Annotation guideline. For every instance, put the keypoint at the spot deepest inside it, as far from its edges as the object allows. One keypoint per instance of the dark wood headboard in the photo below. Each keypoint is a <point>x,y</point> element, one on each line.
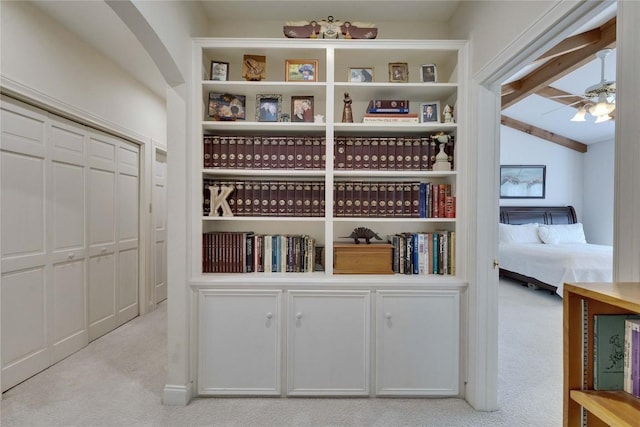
<point>539,214</point>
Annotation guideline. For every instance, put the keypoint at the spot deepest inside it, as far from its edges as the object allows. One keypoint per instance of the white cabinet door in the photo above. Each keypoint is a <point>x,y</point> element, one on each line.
<point>160,226</point>
<point>128,231</point>
<point>68,237</point>
<point>239,342</point>
<point>417,342</point>
<point>328,342</point>
<point>102,235</point>
<point>25,263</point>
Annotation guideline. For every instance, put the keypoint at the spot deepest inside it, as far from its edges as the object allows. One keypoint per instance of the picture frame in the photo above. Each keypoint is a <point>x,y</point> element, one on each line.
<point>227,106</point>
<point>398,72</point>
<point>428,73</point>
<point>301,70</point>
<point>523,181</point>
<point>219,71</point>
<point>254,67</point>
<point>429,112</point>
<point>302,109</point>
<point>360,75</point>
<point>268,107</point>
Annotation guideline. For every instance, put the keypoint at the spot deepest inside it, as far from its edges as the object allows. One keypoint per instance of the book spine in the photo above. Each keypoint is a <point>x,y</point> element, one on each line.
<point>373,119</point>
<point>323,152</point>
<point>266,152</point>
<point>282,198</point>
<point>307,199</point>
<point>391,153</point>
<point>391,110</point>
<point>349,154</point>
<point>388,103</point>
<point>400,154</point>
<point>299,153</point>
<point>316,153</point>
<point>215,151</point>
<point>291,153</point>
<point>264,198</point>
<point>374,148</point>
<point>357,199</point>
<point>374,199</point>
<point>365,196</point>
<point>383,150</point>
<point>398,195</point>
<point>206,151</point>
<point>308,153</point>
<point>274,152</point>
<point>357,153</point>
<point>339,152</point>
<point>635,360</point>
<point>348,199</point>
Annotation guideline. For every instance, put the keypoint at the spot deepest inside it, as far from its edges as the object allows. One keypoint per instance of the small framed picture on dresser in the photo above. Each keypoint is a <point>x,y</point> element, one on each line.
<point>429,112</point>
<point>219,71</point>
<point>428,73</point>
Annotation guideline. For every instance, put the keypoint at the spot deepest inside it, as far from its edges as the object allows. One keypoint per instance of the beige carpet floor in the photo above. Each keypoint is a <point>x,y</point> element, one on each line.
<point>118,380</point>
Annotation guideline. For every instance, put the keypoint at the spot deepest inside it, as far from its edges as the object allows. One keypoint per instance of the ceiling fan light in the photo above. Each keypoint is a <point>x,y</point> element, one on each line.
<point>602,109</point>
<point>603,118</point>
<point>579,117</point>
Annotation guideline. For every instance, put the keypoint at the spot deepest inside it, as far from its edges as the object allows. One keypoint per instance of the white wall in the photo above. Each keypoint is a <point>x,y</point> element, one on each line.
<point>598,190</point>
<point>564,168</point>
<point>39,54</point>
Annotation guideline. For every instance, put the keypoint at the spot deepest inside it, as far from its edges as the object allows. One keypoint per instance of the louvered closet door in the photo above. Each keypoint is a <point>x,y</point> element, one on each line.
<point>23,249</point>
<point>69,332</point>
<point>128,195</point>
<point>160,226</point>
<point>103,207</point>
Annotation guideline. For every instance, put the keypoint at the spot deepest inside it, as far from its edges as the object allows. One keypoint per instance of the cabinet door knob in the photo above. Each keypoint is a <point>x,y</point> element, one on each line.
<point>298,315</point>
<point>71,256</point>
<point>269,315</point>
<point>103,250</point>
<point>387,315</point>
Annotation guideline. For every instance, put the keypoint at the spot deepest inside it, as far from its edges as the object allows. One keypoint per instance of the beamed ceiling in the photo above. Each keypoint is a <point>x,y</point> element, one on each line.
<point>559,61</point>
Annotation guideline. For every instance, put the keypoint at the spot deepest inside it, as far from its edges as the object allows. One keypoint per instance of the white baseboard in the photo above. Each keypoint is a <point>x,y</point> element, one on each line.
<point>177,395</point>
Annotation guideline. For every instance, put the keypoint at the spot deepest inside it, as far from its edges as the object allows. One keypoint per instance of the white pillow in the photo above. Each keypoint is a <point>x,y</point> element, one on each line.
<point>525,233</point>
<point>562,233</point>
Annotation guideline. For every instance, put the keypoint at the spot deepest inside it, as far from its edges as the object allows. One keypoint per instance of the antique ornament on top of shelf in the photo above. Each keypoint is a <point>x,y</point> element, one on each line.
<point>330,29</point>
<point>447,114</point>
<point>442,163</point>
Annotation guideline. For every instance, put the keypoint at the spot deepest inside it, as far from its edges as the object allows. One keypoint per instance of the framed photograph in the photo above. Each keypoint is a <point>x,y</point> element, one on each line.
<point>429,112</point>
<point>522,181</point>
<point>226,106</point>
<point>268,107</point>
<point>301,70</point>
<point>302,108</point>
<point>358,75</point>
<point>254,67</point>
<point>428,73</point>
<point>219,71</point>
<point>398,72</point>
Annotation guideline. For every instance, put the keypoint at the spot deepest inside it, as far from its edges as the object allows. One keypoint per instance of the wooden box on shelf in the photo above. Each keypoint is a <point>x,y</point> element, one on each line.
<point>351,258</point>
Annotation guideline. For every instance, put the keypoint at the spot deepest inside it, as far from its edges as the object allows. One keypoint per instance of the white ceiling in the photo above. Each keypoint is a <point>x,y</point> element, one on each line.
<point>97,24</point>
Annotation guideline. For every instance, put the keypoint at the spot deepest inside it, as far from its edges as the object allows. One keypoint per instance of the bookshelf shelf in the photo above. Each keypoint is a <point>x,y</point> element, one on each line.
<point>604,407</point>
<point>337,308</point>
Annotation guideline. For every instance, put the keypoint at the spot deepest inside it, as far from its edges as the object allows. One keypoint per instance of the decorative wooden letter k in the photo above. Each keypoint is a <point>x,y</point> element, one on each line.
<point>219,196</point>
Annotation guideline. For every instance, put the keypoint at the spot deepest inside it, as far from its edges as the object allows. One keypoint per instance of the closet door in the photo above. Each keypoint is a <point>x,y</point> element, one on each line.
<point>68,237</point>
<point>160,225</point>
<point>24,289</point>
<point>127,232</point>
<point>102,234</point>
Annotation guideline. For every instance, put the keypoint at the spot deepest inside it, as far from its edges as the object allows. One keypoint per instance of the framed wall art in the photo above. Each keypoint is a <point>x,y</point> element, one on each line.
<point>302,108</point>
<point>226,106</point>
<point>268,107</point>
<point>301,70</point>
<point>429,112</point>
<point>219,71</point>
<point>398,72</point>
<point>360,75</point>
<point>522,181</point>
<point>428,73</point>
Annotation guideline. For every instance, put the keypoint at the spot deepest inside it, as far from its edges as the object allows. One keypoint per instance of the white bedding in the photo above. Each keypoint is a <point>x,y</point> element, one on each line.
<point>556,264</point>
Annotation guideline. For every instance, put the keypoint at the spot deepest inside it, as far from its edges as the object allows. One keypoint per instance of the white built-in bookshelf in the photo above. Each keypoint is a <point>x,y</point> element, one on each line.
<point>321,333</point>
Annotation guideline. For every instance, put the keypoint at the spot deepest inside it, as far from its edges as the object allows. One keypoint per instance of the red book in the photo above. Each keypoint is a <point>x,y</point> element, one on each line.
<point>348,199</point>
<point>322,200</point>
<point>291,153</point>
<point>400,154</point>
<point>299,153</point>
<point>248,152</point>
<point>349,154</point>
<point>298,199</point>
<point>374,199</point>
<point>215,151</point>
<point>383,150</point>
<point>366,153</point>
<point>407,201</point>
<point>240,196</point>
<point>264,198</point>
<point>273,152</point>
<point>307,199</point>
<point>398,195</point>
<point>316,153</point>
<point>308,153</point>
<point>339,199</point>
<point>232,151</point>
<point>340,152</point>
<point>282,198</point>
<point>323,152</point>
<point>424,153</point>
<point>374,144</point>
<point>315,199</point>
<point>382,200</point>
<point>206,151</point>
<point>357,199</point>
<point>266,152</point>
<point>450,207</point>
<point>282,153</point>
<point>391,153</point>
<point>365,196</point>
<point>257,152</point>
<point>273,198</point>
<point>415,199</point>
<point>291,194</point>
<point>240,152</point>
<point>357,153</point>
<point>415,153</point>
<point>224,152</point>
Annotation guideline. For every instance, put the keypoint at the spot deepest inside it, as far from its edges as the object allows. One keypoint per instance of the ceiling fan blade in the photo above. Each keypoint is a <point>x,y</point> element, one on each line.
<point>560,108</point>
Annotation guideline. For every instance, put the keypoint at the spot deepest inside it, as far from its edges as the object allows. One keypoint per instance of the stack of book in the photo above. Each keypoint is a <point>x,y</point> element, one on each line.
<point>246,252</point>
<point>389,111</point>
<point>616,353</point>
<point>424,253</point>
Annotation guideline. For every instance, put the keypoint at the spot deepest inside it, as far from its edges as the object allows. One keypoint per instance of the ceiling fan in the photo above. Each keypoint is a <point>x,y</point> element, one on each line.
<point>599,98</point>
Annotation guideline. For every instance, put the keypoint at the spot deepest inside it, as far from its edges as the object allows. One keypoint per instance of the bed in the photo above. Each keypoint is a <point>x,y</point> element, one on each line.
<point>527,258</point>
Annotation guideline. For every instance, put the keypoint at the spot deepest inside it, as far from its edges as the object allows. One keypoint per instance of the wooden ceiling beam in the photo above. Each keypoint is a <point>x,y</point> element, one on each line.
<point>561,65</point>
<point>562,97</point>
<point>572,43</point>
<point>508,88</point>
<point>544,134</point>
